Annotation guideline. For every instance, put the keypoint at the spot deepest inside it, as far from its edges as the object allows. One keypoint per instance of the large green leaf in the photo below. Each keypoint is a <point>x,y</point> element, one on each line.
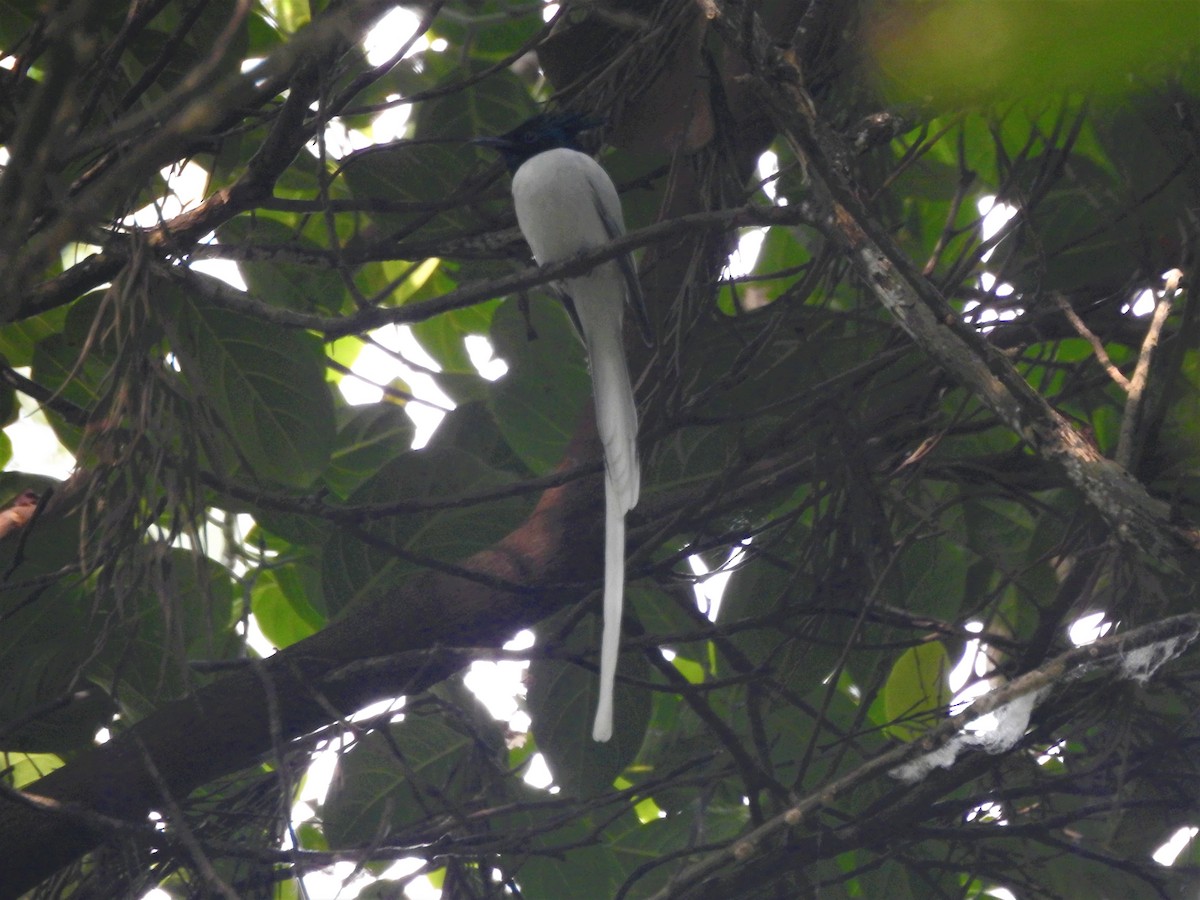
<point>503,37</point>
<point>44,639</point>
<point>917,690</point>
<point>601,869</point>
<point>562,702</point>
<point>395,779</point>
<point>354,568</point>
<point>487,107</point>
<point>1060,246</point>
<point>131,643</point>
<point>18,340</point>
<point>1031,50</point>
<point>16,17</point>
<point>265,385</point>
<point>473,429</point>
<point>934,575</point>
<point>443,336</point>
<point>46,704</point>
<point>425,178</point>
<point>74,364</point>
<point>589,856</point>
<point>159,56</point>
<point>21,769</point>
<point>539,403</point>
<point>368,438</point>
<point>181,610</point>
<point>286,602</point>
<point>272,278</point>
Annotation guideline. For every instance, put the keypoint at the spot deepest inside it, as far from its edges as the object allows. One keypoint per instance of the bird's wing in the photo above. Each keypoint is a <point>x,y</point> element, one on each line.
<point>615,227</point>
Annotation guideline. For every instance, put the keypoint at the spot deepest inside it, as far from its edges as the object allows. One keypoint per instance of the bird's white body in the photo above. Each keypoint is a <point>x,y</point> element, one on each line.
<point>566,205</point>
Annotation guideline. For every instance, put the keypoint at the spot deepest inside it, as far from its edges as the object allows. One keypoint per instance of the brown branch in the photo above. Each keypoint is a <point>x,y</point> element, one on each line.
<point>230,298</point>
<point>1131,421</point>
<point>1097,345</point>
<point>178,233</point>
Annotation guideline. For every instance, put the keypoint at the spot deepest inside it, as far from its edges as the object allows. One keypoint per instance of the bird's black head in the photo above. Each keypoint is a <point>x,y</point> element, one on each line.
<point>543,132</point>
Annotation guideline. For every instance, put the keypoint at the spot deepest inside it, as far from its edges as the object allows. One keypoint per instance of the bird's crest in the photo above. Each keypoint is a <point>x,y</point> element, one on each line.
<point>543,132</point>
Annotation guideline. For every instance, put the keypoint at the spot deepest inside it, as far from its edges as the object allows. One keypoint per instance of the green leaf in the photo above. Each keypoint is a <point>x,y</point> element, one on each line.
<point>562,700</point>
<point>889,880</point>
<point>38,661</point>
<point>471,428</point>
<point>287,616</point>
<point>504,35</point>
<point>1076,875</point>
<point>760,590</point>
<point>1059,246</point>
<point>443,336</point>
<point>368,438</point>
<point>538,404</point>
<point>311,837</point>
<point>999,532</point>
<point>934,573</point>
<point>45,639</point>
<point>18,340</point>
<point>428,176</point>
<point>265,384</point>
<point>16,18</point>
<point>261,34</point>
<point>61,364</point>
<point>660,612</point>
<point>574,861</point>
<point>353,569</point>
<point>291,14</point>
<point>491,106</point>
<point>381,782</point>
<point>272,279</point>
<point>1032,50</point>
<point>917,690</point>
<point>390,781</point>
<point>21,769</point>
<point>780,254</point>
<point>51,647</point>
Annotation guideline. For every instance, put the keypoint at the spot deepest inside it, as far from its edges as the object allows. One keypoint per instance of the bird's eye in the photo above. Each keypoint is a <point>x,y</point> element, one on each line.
<point>530,138</point>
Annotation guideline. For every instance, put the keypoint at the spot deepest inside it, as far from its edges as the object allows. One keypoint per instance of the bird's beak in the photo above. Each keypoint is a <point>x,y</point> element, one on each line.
<point>494,143</point>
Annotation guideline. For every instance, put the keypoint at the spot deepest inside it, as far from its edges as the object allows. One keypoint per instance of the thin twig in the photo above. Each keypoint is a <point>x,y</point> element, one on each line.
<point>1090,336</point>
<point>1131,422</point>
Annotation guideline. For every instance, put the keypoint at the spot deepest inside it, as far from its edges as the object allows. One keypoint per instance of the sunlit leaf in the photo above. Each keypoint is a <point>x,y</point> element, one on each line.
<point>917,689</point>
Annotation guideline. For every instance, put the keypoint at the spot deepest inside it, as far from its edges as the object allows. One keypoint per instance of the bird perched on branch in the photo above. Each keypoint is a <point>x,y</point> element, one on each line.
<point>567,205</point>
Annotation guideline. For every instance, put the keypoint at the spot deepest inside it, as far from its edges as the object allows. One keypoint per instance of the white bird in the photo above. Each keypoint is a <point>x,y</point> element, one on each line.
<point>567,205</point>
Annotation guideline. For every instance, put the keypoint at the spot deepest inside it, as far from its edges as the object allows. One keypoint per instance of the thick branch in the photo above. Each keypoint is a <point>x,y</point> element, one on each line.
<point>373,317</point>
